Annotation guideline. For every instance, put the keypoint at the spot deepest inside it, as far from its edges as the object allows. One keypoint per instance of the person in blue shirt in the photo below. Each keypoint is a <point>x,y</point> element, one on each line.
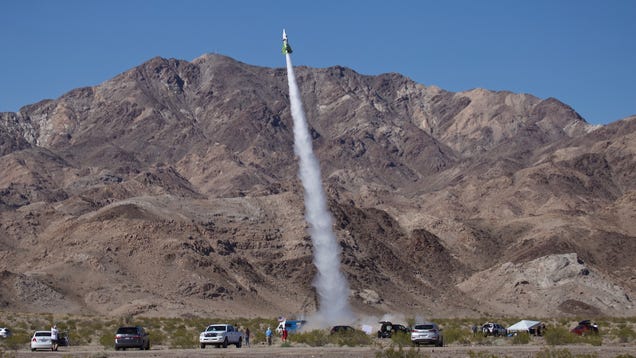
<point>268,334</point>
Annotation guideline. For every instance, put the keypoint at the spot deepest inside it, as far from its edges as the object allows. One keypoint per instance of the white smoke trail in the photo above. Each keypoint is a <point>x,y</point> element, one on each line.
<point>330,283</point>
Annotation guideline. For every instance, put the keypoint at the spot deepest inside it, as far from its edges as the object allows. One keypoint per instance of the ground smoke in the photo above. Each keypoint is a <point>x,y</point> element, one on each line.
<point>331,286</point>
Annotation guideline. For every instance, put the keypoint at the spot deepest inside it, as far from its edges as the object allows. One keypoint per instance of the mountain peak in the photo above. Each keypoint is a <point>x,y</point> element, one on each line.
<point>184,173</point>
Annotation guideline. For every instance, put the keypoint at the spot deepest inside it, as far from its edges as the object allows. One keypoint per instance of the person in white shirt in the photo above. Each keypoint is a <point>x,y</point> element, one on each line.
<point>54,334</point>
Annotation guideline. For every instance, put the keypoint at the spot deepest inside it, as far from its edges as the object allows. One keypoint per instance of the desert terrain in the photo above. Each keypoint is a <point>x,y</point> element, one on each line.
<point>172,189</point>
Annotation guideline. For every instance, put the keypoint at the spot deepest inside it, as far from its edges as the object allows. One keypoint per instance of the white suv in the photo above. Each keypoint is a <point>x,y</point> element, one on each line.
<point>427,333</point>
<point>221,335</point>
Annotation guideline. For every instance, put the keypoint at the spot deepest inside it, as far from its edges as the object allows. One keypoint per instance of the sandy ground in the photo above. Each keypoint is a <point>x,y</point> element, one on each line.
<point>277,351</point>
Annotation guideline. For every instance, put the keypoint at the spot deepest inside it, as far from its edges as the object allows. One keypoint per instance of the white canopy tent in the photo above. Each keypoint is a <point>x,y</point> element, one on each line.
<point>524,326</point>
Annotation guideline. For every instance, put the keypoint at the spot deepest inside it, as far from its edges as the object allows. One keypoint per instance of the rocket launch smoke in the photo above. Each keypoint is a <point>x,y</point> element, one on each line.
<point>330,283</point>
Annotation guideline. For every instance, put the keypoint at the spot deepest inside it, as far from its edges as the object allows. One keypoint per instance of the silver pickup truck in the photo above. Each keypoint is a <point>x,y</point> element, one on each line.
<point>221,335</point>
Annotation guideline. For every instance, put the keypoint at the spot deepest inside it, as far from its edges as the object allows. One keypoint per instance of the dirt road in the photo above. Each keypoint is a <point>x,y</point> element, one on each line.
<point>518,351</point>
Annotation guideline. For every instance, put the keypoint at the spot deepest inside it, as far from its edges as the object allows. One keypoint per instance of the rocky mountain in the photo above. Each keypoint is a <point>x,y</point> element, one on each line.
<point>172,189</point>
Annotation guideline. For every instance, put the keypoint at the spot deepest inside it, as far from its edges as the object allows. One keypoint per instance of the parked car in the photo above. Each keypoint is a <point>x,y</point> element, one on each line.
<point>221,335</point>
<point>132,337</point>
<point>493,329</point>
<point>342,329</point>
<point>41,340</point>
<point>427,333</point>
<point>585,327</point>
<point>387,329</point>
<point>5,332</point>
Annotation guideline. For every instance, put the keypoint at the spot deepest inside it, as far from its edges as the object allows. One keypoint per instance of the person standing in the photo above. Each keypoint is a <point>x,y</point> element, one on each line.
<point>54,335</point>
<point>268,334</point>
<point>247,337</point>
<point>285,334</point>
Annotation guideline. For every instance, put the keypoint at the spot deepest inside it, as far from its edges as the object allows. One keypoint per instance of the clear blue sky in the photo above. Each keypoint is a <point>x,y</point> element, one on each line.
<point>581,52</point>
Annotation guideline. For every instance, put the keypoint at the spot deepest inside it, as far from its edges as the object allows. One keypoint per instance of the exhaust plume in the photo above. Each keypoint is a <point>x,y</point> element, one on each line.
<point>330,283</point>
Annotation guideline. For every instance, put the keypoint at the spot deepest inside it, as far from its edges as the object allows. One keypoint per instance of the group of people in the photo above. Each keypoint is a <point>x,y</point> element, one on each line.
<point>268,336</point>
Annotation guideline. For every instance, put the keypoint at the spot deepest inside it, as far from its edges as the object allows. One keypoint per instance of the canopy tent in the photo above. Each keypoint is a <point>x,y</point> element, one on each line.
<point>524,326</point>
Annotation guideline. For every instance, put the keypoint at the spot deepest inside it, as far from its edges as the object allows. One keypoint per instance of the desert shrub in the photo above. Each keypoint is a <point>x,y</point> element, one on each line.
<point>107,339</point>
<point>400,352</point>
<point>22,325</point>
<point>480,340</point>
<point>38,324</point>
<point>183,338</point>
<point>592,339</point>
<point>625,356</point>
<point>473,354</point>
<point>257,336</point>
<point>99,355</point>
<point>4,354</point>
<point>17,340</point>
<point>564,321</point>
<point>554,353</point>
<point>158,337</point>
<point>624,333</point>
<point>285,344</point>
<point>457,334</point>
<point>151,324</point>
<point>557,335</point>
<point>81,332</point>
<point>315,338</point>
<point>521,338</point>
<point>562,353</point>
<point>352,339</point>
<point>400,338</point>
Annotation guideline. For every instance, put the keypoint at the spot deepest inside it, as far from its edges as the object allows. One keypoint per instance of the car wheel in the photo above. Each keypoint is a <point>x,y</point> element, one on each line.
<point>202,346</point>
<point>32,349</point>
<point>239,343</point>
<point>225,343</point>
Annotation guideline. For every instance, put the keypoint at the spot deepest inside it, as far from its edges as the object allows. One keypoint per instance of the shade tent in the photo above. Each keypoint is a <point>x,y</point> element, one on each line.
<point>524,326</point>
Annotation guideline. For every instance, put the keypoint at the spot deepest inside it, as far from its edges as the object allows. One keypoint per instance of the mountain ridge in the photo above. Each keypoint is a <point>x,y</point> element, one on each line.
<point>172,188</point>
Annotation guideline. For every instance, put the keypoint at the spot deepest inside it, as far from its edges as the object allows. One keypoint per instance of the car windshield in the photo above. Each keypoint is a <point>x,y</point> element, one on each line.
<point>216,328</point>
<point>424,326</point>
<point>127,330</point>
<point>43,334</point>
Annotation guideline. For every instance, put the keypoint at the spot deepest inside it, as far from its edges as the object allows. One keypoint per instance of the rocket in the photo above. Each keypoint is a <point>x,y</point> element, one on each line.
<point>286,48</point>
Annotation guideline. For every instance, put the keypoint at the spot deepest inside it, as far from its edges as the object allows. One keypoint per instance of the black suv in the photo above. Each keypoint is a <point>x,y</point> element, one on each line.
<point>132,337</point>
<point>387,329</point>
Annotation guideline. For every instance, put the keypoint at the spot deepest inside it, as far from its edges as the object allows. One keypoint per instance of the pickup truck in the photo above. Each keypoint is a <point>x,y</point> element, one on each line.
<point>221,335</point>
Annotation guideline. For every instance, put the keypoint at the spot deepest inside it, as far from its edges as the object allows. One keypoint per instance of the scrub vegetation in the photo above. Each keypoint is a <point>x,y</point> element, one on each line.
<point>183,332</point>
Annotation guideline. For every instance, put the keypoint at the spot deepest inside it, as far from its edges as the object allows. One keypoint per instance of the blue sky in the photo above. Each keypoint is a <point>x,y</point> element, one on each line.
<point>580,52</point>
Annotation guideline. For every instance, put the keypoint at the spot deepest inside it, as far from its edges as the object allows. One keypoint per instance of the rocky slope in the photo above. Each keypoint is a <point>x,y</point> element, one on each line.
<point>172,189</point>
